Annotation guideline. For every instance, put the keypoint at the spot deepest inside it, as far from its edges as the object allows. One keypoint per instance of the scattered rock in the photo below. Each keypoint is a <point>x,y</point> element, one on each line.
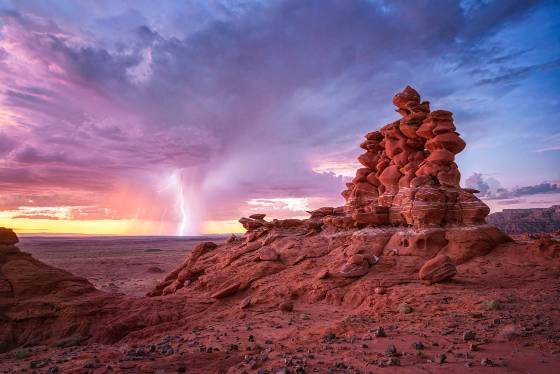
<point>152,250</point>
<point>391,350</point>
<point>440,358</point>
<point>405,308</point>
<point>155,270</point>
<point>182,368</point>
<point>469,335</point>
<point>286,306</point>
<point>380,332</point>
<point>393,361</point>
<point>37,364</point>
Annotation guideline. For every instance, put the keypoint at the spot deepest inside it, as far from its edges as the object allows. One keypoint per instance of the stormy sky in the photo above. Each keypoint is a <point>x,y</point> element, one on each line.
<point>181,116</point>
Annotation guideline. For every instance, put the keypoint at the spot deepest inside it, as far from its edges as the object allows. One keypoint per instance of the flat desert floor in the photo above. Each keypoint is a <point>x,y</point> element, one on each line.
<point>130,265</point>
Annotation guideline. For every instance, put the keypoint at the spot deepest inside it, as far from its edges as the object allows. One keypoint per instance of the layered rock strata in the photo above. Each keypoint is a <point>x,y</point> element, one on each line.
<point>409,175</point>
<point>527,221</point>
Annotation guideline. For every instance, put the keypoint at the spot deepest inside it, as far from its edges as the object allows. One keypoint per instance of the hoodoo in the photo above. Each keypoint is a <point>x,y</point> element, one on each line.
<point>410,177</point>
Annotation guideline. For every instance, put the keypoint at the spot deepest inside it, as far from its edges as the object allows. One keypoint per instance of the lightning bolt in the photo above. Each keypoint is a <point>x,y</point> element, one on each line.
<point>185,208</point>
<point>181,202</point>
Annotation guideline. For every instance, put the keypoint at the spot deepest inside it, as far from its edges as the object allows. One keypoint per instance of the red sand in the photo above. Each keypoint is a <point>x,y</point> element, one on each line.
<point>509,299</point>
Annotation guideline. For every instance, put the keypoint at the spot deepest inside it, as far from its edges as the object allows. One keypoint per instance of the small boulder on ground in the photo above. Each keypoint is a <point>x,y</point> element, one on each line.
<point>437,269</point>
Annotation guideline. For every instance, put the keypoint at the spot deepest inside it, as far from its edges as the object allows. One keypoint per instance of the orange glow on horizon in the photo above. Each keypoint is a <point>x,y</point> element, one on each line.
<point>222,227</point>
<point>107,226</point>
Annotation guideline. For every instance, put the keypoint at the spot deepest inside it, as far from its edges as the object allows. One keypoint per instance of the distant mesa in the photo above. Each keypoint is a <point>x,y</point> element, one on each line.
<point>527,221</point>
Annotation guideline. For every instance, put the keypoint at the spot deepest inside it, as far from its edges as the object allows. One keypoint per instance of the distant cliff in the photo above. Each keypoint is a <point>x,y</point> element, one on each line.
<point>520,221</point>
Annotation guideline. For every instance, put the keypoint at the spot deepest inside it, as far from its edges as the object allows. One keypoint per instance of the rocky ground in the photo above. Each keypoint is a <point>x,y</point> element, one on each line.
<point>500,313</point>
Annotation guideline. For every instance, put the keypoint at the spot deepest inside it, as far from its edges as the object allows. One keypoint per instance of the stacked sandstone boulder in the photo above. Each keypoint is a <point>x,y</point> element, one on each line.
<point>410,177</point>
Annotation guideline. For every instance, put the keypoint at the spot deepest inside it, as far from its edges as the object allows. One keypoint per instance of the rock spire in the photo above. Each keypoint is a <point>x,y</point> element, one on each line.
<point>409,175</point>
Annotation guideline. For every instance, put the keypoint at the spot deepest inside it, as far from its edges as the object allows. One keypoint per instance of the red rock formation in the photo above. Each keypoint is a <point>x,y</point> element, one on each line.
<point>250,315</point>
<point>40,304</point>
<point>32,293</point>
<point>8,237</point>
<point>410,176</point>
